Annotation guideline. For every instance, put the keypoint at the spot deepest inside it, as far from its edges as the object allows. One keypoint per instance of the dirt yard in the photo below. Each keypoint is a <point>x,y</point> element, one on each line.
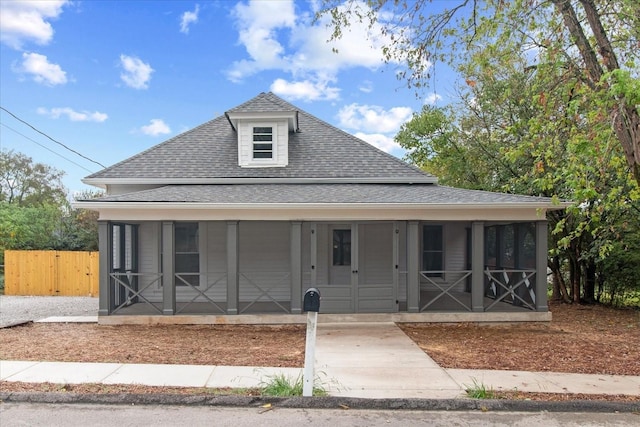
<point>580,339</point>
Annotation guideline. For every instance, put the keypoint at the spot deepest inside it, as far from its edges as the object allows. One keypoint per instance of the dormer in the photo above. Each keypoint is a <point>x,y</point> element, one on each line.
<point>263,136</point>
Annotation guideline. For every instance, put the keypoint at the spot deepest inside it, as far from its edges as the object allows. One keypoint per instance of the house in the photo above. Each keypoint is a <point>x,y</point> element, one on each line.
<point>242,214</point>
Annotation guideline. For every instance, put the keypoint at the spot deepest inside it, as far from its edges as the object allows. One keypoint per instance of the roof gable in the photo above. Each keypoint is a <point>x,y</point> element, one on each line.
<point>209,153</point>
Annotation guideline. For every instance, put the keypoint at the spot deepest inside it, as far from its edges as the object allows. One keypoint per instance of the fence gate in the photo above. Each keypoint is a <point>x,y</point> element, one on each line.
<point>64,273</point>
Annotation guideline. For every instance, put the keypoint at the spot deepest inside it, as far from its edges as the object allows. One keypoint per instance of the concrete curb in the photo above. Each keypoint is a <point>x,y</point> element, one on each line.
<point>328,402</point>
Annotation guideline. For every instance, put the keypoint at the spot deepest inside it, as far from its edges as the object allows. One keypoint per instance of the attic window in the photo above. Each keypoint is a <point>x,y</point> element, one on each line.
<point>263,142</point>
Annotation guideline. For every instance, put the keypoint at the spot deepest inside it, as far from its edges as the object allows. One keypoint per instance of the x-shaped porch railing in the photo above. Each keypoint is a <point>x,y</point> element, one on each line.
<point>200,292</point>
<point>506,284</point>
<point>265,293</point>
<point>119,278</point>
<point>446,287</point>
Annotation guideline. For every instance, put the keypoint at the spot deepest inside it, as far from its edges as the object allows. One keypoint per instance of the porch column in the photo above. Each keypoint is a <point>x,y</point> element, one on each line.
<point>233,267</point>
<point>296,267</point>
<point>314,255</point>
<point>541,266</point>
<point>413,266</point>
<point>105,297</point>
<point>477,266</point>
<point>168,268</point>
<point>396,260</point>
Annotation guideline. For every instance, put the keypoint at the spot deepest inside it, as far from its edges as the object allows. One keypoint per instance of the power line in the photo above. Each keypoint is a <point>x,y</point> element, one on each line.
<point>57,142</point>
<point>48,149</point>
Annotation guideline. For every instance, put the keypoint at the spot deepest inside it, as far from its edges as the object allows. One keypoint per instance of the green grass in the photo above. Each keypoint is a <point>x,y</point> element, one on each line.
<point>281,385</point>
<point>479,391</point>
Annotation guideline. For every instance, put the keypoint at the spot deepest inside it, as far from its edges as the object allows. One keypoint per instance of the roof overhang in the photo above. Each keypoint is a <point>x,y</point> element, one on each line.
<point>290,116</point>
<point>186,211</point>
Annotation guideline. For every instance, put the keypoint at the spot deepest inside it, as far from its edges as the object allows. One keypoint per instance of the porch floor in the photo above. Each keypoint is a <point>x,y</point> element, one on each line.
<point>443,310</point>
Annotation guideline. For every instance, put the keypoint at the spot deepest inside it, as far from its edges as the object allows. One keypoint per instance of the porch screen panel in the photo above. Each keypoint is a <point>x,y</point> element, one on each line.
<point>149,261</point>
<point>187,256</point>
<point>376,291</point>
<point>527,247</point>
<point>265,261</point>
<point>432,249</point>
<point>216,260</point>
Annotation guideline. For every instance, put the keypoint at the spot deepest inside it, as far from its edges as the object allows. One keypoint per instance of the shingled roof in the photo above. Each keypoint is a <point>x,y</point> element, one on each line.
<point>397,194</point>
<point>210,152</point>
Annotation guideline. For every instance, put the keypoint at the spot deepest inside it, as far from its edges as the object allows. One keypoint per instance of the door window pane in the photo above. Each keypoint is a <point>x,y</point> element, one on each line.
<point>341,247</point>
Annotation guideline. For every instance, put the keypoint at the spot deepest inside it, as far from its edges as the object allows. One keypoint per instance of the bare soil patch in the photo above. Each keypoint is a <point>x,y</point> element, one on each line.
<point>580,339</point>
<point>225,345</point>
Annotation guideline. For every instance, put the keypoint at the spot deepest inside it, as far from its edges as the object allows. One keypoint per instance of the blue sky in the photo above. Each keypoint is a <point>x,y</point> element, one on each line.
<point>112,78</point>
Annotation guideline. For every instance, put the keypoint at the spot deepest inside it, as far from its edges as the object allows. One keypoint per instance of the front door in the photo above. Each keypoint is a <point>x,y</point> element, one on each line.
<point>338,294</point>
<point>360,270</point>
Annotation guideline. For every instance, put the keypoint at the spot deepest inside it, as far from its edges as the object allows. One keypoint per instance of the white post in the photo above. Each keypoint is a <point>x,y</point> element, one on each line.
<point>310,353</point>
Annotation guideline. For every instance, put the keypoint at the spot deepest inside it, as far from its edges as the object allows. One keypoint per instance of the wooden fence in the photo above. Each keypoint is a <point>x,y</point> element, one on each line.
<point>62,273</point>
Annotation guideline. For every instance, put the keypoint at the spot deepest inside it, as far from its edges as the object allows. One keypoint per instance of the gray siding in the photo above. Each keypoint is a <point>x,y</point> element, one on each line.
<point>265,261</point>
<point>376,291</point>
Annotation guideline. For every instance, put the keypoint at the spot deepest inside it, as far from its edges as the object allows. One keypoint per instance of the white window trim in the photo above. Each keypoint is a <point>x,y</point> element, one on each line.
<point>274,160</point>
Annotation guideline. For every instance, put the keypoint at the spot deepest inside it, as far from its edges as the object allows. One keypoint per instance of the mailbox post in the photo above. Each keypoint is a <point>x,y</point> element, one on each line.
<point>311,304</point>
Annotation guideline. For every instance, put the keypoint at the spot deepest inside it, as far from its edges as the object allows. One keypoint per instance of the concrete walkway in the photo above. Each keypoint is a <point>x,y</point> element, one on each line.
<point>378,360</point>
<point>371,360</point>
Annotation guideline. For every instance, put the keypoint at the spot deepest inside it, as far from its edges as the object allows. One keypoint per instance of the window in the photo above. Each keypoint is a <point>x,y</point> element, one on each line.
<point>263,142</point>
<point>432,250</point>
<point>341,247</point>
<point>187,258</point>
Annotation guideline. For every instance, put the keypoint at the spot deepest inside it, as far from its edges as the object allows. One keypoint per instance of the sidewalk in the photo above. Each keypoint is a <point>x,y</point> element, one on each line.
<point>368,360</point>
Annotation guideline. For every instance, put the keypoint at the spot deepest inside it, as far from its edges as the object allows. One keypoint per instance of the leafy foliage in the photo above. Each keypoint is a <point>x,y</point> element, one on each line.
<point>533,125</point>
<point>590,44</point>
<point>281,385</point>
<point>25,183</point>
<point>34,211</point>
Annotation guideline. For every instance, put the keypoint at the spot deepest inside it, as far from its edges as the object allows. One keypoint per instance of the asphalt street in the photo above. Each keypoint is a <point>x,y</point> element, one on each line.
<point>34,414</point>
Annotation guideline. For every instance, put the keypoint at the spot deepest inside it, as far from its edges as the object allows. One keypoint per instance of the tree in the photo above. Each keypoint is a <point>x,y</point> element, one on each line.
<point>499,136</point>
<point>80,226</point>
<point>594,40</point>
<point>34,211</point>
<point>25,183</point>
<point>28,227</point>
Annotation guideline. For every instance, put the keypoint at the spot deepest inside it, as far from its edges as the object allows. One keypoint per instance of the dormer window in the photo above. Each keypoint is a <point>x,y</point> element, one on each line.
<point>262,142</point>
<point>263,137</point>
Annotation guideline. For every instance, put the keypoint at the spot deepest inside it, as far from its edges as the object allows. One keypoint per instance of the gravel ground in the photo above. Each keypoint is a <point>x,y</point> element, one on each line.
<point>18,309</point>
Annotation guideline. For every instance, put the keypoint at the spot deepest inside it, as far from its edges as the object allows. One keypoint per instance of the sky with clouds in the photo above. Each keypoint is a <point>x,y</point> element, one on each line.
<point>112,78</point>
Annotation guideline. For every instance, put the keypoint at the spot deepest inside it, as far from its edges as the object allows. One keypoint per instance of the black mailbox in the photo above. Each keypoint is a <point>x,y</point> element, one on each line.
<point>311,300</point>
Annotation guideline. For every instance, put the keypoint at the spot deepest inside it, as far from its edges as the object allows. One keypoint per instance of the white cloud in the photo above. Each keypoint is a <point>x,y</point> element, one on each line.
<point>74,116</point>
<point>24,21</point>
<point>257,24</point>
<point>305,90</point>
<point>156,127</point>
<point>366,86</point>
<point>189,18</point>
<point>276,39</point>
<point>373,118</point>
<point>41,69</point>
<point>136,73</point>
<point>432,99</point>
<point>383,142</point>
